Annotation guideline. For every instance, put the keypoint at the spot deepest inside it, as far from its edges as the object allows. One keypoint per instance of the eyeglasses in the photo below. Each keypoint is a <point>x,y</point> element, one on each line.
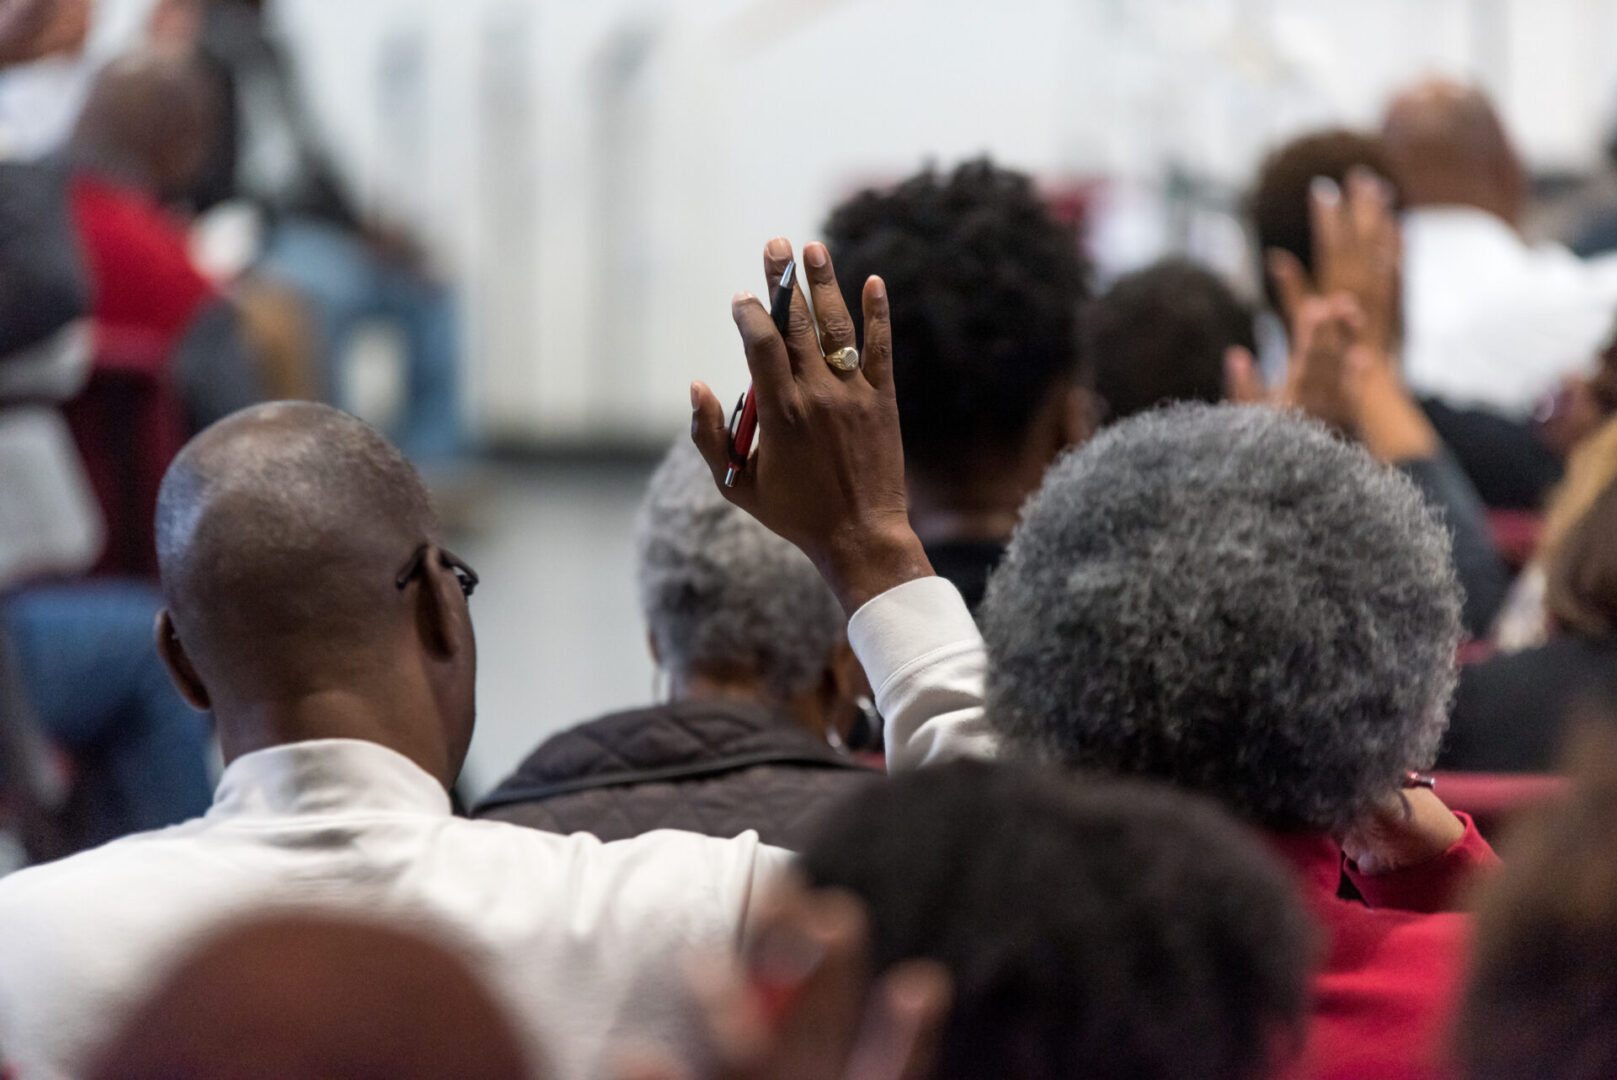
<point>463,573</point>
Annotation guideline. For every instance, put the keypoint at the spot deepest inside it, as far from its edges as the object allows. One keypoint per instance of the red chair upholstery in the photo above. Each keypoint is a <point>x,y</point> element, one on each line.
<point>1515,535</point>
<point>1492,799</point>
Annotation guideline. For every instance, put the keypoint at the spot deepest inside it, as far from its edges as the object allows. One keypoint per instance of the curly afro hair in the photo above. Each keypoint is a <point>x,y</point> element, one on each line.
<point>985,288</point>
<point>1107,930</point>
<point>1232,599</point>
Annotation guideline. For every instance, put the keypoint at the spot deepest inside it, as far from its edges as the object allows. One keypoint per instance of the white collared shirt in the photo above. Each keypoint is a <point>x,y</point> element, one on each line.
<point>1494,322</point>
<point>583,939</point>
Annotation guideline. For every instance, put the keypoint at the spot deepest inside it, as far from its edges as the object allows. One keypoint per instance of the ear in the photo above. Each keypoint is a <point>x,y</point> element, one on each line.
<point>844,683</point>
<point>442,618</point>
<point>1242,382</point>
<point>179,665</point>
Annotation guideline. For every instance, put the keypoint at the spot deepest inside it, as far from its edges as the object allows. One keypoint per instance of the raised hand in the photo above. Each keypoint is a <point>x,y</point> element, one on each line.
<point>828,470</point>
<point>1343,322</point>
<point>1357,251</point>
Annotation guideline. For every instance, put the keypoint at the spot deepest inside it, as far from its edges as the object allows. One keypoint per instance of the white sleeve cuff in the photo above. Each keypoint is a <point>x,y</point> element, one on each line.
<point>906,625</point>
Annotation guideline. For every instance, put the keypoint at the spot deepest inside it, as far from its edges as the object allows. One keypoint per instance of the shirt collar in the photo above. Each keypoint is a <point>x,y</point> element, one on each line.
<point>326,776</point>
<point>1468,221</point>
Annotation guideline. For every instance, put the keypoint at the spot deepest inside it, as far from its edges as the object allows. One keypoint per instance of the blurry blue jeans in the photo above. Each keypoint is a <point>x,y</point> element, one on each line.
<point>100,690</point>
<point>345,283</point>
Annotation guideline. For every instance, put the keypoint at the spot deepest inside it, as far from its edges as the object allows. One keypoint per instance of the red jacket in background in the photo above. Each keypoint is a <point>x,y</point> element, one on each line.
<point>1393,965</point>
<point>128,422</point>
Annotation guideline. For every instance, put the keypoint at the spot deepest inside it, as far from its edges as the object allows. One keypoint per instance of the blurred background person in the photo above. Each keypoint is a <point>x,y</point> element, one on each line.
<point>168,351</point>
<point>762,689</point>
<point>1490,319</point>
<point>1538,998</point>
<point>1507,461</point>
<point>95,740</point>
<point>1512,712</point>
<point>263,154</point>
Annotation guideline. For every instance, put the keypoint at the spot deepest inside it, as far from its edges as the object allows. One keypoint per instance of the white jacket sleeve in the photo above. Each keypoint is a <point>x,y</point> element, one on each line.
<point>926,662</point>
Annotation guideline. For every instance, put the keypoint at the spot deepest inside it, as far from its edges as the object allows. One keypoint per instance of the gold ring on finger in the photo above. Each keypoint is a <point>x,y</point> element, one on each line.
<point>843,360</point>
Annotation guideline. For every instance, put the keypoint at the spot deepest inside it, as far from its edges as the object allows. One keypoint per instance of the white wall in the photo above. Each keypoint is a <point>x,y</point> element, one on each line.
<point>599,175</point>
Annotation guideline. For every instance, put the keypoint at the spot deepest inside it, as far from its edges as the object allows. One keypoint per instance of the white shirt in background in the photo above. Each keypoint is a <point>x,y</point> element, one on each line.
<point>1491,321</point>
<point>583,940</point>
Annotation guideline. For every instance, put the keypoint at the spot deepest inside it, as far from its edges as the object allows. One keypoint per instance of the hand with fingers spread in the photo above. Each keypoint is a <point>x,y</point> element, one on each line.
<point>805,1006</point>
<point>828,470</point>
<point>1357,251</point>
<point>1343,322</point>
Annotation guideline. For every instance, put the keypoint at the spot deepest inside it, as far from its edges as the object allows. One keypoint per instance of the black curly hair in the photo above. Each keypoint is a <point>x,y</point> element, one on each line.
<point>985,287</point>
<point>1159,335</point>
<point>1100,929</point>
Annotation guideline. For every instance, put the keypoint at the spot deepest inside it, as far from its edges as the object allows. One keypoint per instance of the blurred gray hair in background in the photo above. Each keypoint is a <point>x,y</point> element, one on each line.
<point>721,593</point>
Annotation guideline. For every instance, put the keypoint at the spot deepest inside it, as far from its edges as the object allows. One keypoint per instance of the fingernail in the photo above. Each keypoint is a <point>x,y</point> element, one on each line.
<point>778,248</point>
<point>1325,190</point>
<point>740,298</point>
<point>696,394</point>
<point>878,287</point>
<point>814,254</point>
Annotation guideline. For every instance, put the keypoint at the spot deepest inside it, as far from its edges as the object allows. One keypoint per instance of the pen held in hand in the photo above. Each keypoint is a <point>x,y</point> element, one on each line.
<point>744,420</point>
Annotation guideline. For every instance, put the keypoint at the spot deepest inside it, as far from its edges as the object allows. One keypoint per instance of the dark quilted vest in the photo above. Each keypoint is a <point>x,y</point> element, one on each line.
<point>717,768</point>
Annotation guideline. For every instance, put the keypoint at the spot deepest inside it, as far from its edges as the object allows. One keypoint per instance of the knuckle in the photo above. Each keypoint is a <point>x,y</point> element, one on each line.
<point>799,322</point>
<point>838,326</point>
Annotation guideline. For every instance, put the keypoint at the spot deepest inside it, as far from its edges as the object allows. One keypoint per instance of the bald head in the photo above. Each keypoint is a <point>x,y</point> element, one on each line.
<point>305,997</point>
<point>1447,146</point>
<point>149,119</point>
<point>280,530</point>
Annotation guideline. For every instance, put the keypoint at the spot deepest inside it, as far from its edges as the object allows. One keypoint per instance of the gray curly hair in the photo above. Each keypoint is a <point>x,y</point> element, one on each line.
<point>721,592</point>
<point>1234,600</point>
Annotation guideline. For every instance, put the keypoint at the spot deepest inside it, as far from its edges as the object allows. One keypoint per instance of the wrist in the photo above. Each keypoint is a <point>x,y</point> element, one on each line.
<point>865,559</point>
<point>1392,425</point>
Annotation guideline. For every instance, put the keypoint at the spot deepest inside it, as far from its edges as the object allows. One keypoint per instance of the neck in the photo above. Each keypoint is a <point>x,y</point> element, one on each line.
<point>943,513</point>
<point>334,714</point>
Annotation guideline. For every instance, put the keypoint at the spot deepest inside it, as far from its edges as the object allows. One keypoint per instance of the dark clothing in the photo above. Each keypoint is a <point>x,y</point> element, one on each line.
<point>1598,237</point>
<point>1482,572</point>
<point>1507,462</point>
<point>43,285</point>
<point>254,83</point>
<point>716,768</point>
<point>966,564</point>
<point>1511,711</point>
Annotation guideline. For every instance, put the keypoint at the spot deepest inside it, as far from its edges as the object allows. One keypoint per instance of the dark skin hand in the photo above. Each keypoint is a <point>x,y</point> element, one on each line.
<point>1343,322</point>
<point>1406,828</point>
<point>828,470</point>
